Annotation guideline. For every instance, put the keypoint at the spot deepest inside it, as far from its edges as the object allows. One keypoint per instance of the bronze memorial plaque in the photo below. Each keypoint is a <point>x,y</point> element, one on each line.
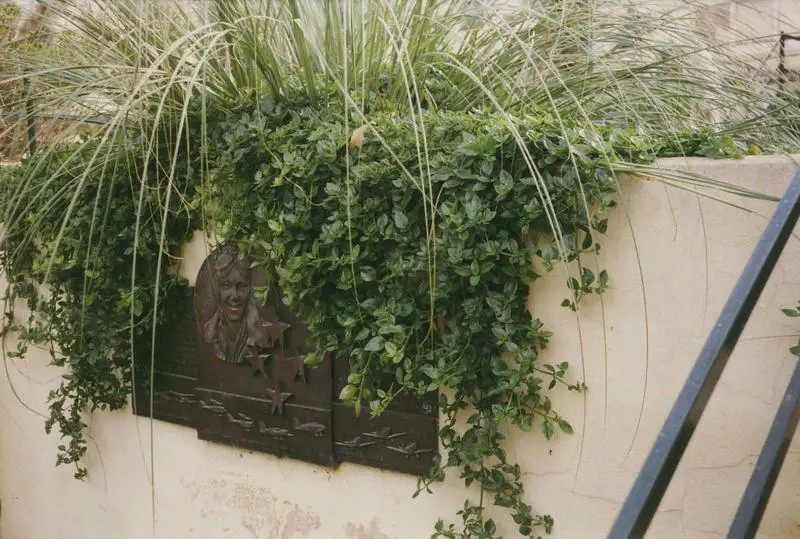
<point>234,368</point>
<point>253,389</point>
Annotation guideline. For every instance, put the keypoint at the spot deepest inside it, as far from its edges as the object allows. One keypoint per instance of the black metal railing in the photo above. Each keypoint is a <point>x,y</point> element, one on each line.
<point>30,115</point>
<point>783,71</point>
<point>654,477</point>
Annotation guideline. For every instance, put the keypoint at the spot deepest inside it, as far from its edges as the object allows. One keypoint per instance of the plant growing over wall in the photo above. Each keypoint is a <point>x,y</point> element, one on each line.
<point>403,181</point>
<point>353,256</point>
<point>89,286</point>
<point>427,291</point>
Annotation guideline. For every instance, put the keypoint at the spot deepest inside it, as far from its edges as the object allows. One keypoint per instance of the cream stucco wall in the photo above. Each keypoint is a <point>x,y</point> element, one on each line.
<point>673,259</point>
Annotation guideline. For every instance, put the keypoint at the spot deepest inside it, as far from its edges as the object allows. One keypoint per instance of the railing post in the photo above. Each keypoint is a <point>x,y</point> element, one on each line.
<point>782,61</point>
<point>30,114</point>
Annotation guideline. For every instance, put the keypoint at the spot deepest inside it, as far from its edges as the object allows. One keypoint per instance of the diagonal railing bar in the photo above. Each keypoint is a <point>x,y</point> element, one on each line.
<point>30,115</point>
<point>651,484</point>
<point>95,120</point>
<point>756,495</point>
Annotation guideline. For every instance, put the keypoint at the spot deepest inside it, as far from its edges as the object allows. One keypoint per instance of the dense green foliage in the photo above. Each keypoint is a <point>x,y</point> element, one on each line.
<point>410,253</point>
<point>354,252</point>
<point>491,149</point>
<point>418,268</point>
<point>100,283</point>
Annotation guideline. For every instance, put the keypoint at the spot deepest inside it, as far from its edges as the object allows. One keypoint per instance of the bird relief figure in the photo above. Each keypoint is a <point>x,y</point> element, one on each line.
<point>409,450</point>
<point>356,443</point>
<point>384,435</point>
<point>276,432</point>
<point>242,420</point>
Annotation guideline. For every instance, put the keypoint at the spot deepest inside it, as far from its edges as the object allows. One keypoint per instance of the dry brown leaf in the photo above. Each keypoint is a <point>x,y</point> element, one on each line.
<point>358,137</point>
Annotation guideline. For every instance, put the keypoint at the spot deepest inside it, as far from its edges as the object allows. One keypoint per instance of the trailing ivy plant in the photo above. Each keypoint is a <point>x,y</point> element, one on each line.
<point>416,266</point>
<point>407,233</point>
<point>92,297</point>
<point>418,270</point>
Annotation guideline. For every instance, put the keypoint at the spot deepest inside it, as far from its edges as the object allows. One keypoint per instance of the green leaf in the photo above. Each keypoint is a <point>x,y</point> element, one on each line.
<point>368,274</point>
<point>383,221</point>
<point>400,219</point>
<point>375,344</point>
<point>494,304</point>
<point>587,277</point>
<point>348,393</point>
<point>314,358</point>
<point>548,429</point>
<point>430,371</point>
<point>547,405</point>
<point>504,184</point>
<point>565,426</point>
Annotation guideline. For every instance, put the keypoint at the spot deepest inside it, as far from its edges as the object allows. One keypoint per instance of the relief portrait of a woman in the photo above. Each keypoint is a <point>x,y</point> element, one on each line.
<point>235,330</point>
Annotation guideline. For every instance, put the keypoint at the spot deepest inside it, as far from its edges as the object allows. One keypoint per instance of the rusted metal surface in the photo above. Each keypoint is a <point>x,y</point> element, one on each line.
<point>234,369</point>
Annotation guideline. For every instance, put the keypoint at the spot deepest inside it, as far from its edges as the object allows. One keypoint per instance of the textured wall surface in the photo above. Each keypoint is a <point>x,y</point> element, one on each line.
<point>673,260</point>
